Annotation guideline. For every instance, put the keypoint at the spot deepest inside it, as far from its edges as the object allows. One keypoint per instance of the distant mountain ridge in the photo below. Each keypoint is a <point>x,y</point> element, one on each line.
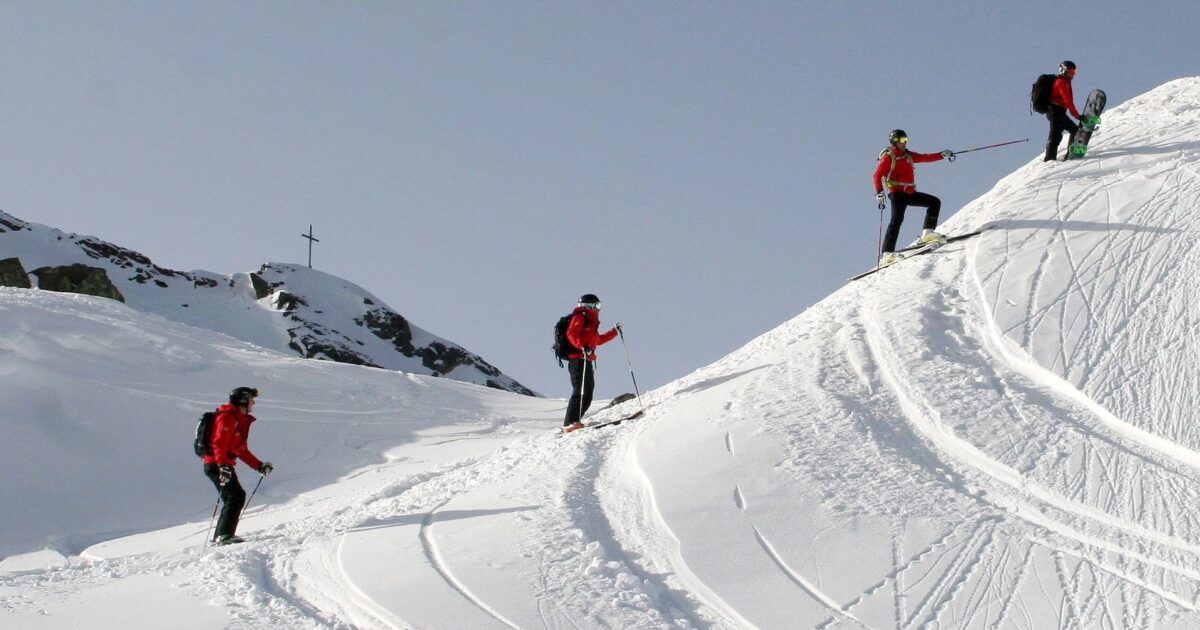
<point>284,307</point>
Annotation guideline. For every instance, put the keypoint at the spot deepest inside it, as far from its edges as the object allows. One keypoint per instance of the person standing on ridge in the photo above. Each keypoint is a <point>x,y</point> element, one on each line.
<point>583,333</point>
<point>1062,101</point>
<point>895,171</point>
<point>230,432</point>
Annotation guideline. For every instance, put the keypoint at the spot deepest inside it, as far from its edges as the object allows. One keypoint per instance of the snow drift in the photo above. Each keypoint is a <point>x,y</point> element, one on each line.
<point>998,434</point>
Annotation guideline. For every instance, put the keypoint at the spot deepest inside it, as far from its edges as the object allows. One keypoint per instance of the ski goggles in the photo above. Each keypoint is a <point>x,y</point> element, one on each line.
<point>902,139</point>
<point>591,305</point>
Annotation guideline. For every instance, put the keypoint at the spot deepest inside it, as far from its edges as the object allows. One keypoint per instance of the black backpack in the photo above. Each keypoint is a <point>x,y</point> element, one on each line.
<point>562,347</point>
<point>1039,96</point>
<point>203,444</point>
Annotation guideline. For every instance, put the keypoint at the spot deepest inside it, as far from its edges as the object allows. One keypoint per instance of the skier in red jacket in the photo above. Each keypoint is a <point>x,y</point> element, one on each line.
<point>583,332</point>
<point>1062,100</point>
<point>230,431</point>
<point>895,171</point>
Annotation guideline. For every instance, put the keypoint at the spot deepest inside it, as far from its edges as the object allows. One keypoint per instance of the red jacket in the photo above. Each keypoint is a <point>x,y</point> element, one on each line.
<point>230,431</point>
<point>896,169</point>
<point>1062,95</point>
<point>584,332</point>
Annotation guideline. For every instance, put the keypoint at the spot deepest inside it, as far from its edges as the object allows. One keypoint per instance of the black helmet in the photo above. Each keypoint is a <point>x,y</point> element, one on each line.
<point>589,299</point>
<point>1066,65</point>
<point>240,397</point>
<point>896,135</point>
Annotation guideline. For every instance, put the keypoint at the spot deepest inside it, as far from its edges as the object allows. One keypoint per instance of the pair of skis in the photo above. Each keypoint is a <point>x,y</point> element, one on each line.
<point>611,423</point>
<point>917,250</point>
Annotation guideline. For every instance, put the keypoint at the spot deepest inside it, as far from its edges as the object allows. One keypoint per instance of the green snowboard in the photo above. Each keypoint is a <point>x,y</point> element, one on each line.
<point>1089,121</point>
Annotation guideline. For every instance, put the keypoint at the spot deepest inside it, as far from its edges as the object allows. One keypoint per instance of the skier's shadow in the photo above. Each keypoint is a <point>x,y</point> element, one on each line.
<point>713,382</point>
<point>448,515</point>
<point>1076,226</point>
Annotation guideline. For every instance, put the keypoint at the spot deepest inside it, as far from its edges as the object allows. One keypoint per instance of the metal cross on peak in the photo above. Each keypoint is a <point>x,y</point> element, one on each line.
<point>311,240</point>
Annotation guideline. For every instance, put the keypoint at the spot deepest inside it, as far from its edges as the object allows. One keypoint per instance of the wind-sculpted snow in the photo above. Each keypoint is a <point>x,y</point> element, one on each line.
<point>998,434</point>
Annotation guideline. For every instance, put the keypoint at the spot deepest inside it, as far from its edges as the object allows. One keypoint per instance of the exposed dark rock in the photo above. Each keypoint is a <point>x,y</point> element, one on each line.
<point>288,302</point>
<point>77,278</point>
<point>441,359</point>
<point>438,357</point>
<point>315,347</point>
<point>10,224</point>
<point>12,274</point>
<point>261,288</point>
<point>390,326</point>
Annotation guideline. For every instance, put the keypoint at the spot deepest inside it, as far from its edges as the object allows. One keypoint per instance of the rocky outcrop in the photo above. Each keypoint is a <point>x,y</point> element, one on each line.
<point>10,224</point>
<point>261,288</point>
<point>12,274</point>
<point>77,278</point>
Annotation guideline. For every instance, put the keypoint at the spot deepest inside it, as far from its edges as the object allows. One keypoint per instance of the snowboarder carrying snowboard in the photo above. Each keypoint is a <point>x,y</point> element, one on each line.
<point>895,171</point>
<point>1062,100</point>
<point>583,332</point>
<point>230,430</point>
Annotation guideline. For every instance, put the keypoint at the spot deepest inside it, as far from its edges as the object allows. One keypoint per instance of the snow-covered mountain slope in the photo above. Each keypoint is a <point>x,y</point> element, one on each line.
<point>996,434</point>
<point>993,435</point>
<point>284,307</point>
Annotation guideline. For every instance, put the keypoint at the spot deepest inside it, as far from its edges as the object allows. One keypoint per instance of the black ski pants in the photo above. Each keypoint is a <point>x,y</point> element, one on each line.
<point>900,202</point>
<point>233,498</point>
<point>1059,122</point>
<point>583,382</point>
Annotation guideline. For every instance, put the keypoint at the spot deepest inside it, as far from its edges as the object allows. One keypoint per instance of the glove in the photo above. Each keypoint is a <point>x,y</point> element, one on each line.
<point>948,154</point>
<point>881,199</point>
<point>266,468</point>
<point>618,327</point>
<point>224,474</point>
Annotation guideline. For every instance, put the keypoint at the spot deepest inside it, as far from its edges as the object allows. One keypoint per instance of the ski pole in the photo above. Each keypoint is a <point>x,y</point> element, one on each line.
<point>879,244</point>
<point>212,520</point>
<point>954,154</point>
<point>621,332</point>
<point>583,385</point>
<point>261,476</point>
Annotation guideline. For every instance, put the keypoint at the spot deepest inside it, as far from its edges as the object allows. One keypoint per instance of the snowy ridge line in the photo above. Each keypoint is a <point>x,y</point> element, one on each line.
<point>698,588</point>
<point>1021,363</point>
<point>808,587</point>
<point>1024,495</point>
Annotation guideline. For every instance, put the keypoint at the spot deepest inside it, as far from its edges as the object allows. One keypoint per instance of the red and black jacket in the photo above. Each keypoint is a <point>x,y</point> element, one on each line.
<point>584,332</point>
<point>895,169</point>
<point>230,433</point>
<point>1063,96</point>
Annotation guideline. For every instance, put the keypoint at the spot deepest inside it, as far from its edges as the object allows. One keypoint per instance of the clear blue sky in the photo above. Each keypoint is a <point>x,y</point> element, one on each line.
<point>704,167</point>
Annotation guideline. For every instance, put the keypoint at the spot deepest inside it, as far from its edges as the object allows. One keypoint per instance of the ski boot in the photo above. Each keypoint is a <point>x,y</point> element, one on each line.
<point>929,236</point>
